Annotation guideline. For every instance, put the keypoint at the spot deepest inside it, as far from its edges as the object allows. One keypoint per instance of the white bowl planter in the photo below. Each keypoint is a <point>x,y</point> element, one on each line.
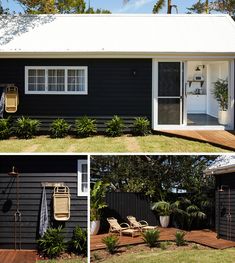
<point>223,117</point>
<point>95,226</point>
<point>164,221</point>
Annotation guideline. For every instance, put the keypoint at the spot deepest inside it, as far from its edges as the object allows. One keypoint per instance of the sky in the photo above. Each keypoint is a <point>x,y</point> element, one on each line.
<point>116,6</point>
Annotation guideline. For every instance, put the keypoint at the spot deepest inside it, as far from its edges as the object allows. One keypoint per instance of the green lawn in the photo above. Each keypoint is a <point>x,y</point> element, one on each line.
<point>151,143</point>
<point>182,256</point>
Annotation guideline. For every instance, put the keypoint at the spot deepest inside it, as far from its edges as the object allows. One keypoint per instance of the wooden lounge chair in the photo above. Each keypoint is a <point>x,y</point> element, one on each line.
<point>141,225</point>
<point>121,229</point>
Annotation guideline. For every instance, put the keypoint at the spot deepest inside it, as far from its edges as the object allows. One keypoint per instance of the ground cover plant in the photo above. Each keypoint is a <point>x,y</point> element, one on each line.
<point>59,128</point>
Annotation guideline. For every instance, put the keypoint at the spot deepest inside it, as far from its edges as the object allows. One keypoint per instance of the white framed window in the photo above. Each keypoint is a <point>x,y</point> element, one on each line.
<point>82,178</point>
<point>56,80</point>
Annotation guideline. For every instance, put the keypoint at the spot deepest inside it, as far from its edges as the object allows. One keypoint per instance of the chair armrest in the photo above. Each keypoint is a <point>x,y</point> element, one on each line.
<point>125,225</point>
<point>143,223</point>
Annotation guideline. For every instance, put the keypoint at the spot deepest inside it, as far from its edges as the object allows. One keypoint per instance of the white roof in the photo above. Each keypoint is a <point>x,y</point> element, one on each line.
<point>146,34</point>
<point>221,165</point>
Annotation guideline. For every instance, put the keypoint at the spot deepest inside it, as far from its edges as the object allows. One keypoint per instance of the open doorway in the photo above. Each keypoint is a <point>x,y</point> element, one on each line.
<point>202,108</point>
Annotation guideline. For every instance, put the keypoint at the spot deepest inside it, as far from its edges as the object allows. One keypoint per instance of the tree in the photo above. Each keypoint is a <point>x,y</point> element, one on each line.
<point>58,6</point>
<point>160,4</point>
<point>200,7</point>
<point>222,6</point>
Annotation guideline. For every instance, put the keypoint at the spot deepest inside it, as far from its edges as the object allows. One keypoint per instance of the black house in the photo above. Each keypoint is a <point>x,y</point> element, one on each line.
<point>25,176</point>
<point>223,169</point>
<point>69,66</point>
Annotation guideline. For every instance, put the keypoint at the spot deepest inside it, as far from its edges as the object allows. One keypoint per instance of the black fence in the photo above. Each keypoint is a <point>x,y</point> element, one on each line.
<point>121,205</point>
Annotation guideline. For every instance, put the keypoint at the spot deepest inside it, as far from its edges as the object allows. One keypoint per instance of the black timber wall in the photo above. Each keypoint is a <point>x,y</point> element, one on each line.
<point>222,205</point>
<point>121,205</point>
<point>113,89</point>
<point>34,170</point>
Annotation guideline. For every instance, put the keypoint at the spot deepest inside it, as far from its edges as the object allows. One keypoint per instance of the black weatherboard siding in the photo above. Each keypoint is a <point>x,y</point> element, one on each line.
<point>32,171</point>
<point>223,200</point>
<point>115,86</point>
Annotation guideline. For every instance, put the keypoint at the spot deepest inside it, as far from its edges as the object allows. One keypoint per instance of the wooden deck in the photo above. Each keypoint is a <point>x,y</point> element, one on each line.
<point>17,256</point>
<point>223,139</point>
<point>203,237</point>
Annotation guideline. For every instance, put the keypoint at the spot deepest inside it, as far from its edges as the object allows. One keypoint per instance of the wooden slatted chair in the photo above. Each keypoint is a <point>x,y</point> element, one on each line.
<point>61,198</point>
<point>141,225</point>
<point>121,229</point>
<point>11,99</point>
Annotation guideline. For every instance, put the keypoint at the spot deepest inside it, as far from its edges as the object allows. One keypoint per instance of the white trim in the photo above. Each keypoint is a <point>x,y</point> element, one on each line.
<point>116,54</point>
<point>231,94</point>
<point>65,68</point>
<point>79,178</point>
<point>154,94</point>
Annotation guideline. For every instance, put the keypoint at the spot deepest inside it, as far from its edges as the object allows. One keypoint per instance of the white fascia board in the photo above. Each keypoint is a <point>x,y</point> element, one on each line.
<point>220,170</point>
<point>204,56</point>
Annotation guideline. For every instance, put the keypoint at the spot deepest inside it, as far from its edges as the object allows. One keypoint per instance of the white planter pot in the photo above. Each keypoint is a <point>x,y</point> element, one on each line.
<point>223,117</point>
<point>95,226</point>
<point>164,221</point>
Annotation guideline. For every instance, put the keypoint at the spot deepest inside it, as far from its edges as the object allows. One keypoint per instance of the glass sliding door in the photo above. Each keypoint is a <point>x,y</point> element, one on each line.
<point>170,93</point>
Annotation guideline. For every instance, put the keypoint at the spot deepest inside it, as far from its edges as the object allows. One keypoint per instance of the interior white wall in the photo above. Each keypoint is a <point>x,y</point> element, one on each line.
<point>215,70</point>
<point>192,65</point>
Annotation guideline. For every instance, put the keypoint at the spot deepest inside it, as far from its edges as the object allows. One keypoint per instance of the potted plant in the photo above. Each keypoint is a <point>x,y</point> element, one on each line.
<point>164,209</point>
<point>97,197</point>
<point>220,93</point>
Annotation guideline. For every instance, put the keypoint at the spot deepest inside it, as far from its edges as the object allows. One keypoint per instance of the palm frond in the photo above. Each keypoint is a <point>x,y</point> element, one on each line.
<point>158,6</point>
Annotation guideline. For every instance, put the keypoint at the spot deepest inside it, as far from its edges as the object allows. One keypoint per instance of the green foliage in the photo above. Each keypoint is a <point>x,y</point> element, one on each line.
<point>179,238</point>
<point>5,129</point>
<point>111,242</point>
<point>115,127</point>
<point>195,246</point>
<point>141,126</point>
<point>52,243</point>
<point>151,237</point>
<point>161,174</point>
<point>163,245</point>
<point>158,6</point>
<point>78,243</point>
<point>59,128</point>
<point>200,7</point>
<point>85,127</point>
<point>220,93</point>
<point>97,197</point>
<point>58,6</point>
<point>26,128</point>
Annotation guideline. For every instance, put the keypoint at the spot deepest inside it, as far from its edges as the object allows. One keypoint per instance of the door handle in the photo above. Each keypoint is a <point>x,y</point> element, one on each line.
<point>185,90</point>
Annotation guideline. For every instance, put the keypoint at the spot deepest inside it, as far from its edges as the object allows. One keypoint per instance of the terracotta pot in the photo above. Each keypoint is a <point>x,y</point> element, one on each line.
<point>95,226</point>
<point>164,221</point>
<point>223,117</point>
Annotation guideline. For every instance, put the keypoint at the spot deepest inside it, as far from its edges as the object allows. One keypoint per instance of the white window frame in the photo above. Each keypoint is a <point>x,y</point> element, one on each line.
<point>79,181</point>
<point>65,68</point>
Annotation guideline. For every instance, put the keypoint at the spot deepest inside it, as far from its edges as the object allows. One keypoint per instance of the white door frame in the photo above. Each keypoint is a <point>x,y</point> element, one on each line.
<point>155,97</point>
<point>184,126</point>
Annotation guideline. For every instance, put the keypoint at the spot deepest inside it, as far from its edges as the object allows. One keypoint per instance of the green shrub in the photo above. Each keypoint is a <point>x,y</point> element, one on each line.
<point>141,127</point>
<point>78,243</point>
<point>179,238</point>
<point>26,128</point>
<point>111,243</point>
<point>195,246</point>
<point>85,127</point>
<point>151,237</point>
<point>115,127</point>
<point>59,128</point>
<point>163,245</point>
<point>52,243</point>
<point>5,129</point>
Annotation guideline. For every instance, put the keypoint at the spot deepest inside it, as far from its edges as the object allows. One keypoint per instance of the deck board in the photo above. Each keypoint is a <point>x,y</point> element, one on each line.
<point>224,139</point>
<point>17,256</point>
<point>204,237</point>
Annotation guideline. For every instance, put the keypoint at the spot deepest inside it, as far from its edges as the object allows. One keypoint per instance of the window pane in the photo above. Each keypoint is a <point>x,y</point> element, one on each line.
<point>84,178</point>
<point>36,79</point>
<point>56,79</point>
<point>76,80</point>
